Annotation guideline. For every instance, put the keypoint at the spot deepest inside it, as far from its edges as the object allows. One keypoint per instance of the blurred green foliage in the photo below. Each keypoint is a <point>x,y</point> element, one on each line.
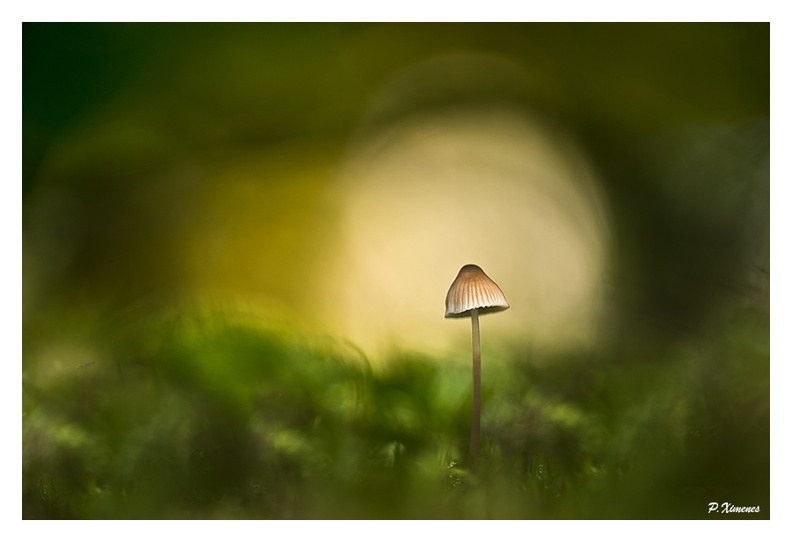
<point>138,405</point>
<point>209,416</point>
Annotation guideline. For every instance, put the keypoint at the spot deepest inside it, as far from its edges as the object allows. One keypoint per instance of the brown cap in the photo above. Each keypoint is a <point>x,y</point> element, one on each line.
<point>473,289</point>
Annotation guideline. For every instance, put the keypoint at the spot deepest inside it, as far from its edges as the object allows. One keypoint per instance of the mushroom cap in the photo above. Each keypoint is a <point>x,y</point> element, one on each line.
<point>473,289</point>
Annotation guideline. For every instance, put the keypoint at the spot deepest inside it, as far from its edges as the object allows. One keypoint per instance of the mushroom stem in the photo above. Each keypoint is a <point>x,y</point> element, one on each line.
<point>475,427</point>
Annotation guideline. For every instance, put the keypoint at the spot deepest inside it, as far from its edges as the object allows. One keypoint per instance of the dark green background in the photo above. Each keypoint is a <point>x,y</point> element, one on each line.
<point>191,412</point>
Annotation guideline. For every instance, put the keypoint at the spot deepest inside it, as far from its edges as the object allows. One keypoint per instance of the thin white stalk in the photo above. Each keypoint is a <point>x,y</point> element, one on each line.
<point>475,426</point>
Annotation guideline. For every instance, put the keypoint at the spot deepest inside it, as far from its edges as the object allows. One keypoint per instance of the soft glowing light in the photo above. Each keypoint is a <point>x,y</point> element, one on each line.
<point>490,186</point>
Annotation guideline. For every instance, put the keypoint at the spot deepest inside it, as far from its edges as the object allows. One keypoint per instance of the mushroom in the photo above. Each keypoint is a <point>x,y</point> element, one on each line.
<point>473,293</point>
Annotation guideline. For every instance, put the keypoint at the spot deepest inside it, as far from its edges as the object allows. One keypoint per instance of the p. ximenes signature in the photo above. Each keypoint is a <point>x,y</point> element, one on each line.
<point>729,508</point>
